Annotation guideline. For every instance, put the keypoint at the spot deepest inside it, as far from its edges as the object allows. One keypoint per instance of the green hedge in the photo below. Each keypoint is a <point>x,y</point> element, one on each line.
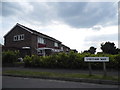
<point>10,56</point>
<point>71,60</point>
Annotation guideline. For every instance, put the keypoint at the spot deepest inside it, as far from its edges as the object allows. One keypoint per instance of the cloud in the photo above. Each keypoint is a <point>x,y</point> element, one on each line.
<point>87,14</point>
<point>105,34</point>
<point>78,25</point>
<point>97,27</point>
<point>15,8</point>
<point>74,14</point>
<point>96,38</point>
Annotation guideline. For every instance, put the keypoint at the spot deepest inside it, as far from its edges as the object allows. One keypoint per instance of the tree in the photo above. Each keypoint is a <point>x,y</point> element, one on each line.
<point>86,51</point>
<point>92,50</point>
<point>118,50</point>
<point>108,48</point>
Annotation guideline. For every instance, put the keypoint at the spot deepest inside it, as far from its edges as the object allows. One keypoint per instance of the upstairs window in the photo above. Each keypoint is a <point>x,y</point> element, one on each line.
<point>41,40</point>
<point>15,38</point>
<point>18,37</point>
<point>62,48</point>
<point>21,37</point>
<point>56,44</point>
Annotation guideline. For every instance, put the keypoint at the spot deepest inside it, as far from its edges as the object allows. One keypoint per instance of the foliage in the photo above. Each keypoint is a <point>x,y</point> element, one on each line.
<point>62,60</point>
<point>10,56</point>
<point>109,48</point>
<point>71,60</point>
<point>91,50</point>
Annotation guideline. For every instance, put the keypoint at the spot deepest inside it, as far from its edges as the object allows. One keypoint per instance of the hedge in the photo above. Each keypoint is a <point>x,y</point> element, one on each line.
<point>71,60</point>
<point>10,56</point>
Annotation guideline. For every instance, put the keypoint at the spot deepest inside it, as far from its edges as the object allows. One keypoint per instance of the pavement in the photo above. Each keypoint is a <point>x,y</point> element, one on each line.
<point>98,81</point>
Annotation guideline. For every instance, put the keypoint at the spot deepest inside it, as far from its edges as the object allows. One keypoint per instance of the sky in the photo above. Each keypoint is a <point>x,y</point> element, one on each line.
<point>78,25</point>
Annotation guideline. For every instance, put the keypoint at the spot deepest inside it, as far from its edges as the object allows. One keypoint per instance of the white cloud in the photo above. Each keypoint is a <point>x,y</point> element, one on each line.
<point>63,21</point>
<point>80,39</point>
<point>24,6</point>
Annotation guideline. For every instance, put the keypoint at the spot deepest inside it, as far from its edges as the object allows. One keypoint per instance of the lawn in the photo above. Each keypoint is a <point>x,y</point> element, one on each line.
<point>60,75</point>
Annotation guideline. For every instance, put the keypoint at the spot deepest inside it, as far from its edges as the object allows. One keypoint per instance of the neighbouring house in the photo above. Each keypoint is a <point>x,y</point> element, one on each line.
<point>74,50</point>
<point>65,48</point>
<point>29,42</point>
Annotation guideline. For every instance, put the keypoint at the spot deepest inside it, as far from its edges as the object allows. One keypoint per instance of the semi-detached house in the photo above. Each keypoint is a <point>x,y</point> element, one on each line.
<point>30,42</point>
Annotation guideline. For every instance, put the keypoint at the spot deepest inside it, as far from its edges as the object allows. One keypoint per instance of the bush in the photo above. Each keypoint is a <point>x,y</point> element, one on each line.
<point>71,60</point>
<point>28,61</point>
<point>10,56</point>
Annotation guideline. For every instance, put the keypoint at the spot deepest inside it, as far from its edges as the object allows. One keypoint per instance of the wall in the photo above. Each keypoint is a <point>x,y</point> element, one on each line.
<point>23,43</point>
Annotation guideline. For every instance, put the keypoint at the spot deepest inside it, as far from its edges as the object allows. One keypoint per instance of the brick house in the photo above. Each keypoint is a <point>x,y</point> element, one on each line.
<point>29,42</point>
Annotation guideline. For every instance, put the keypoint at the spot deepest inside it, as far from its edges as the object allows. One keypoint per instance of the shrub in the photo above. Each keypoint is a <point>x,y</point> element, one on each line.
<point>28,61</point>
<point>71,60</point>
<point>10,56</point>
<point>117,61</point>
<point>35,61</point>
<point>62,60</point>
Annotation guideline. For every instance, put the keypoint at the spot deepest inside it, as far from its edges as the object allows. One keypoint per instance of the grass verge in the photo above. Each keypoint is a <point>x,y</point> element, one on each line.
<point>61,75</point>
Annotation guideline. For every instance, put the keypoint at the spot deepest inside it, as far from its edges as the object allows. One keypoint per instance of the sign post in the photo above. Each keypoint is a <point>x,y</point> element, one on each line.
<point>97,59</point>
<point>90,69</point>
<point>104,69</point>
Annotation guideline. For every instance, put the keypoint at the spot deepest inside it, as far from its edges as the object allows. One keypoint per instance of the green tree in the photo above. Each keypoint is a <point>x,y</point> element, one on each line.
<point>92,50</point>
<point>108,48</point>
<point>118,50</point>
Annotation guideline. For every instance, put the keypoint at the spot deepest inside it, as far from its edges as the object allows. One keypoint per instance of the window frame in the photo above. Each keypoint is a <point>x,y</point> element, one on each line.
<point>18,37</point>
<point>41,40</point>
<point>56,44</point>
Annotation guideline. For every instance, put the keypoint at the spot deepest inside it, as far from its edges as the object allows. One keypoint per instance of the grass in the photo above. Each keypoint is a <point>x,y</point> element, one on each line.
<point>61,75</point>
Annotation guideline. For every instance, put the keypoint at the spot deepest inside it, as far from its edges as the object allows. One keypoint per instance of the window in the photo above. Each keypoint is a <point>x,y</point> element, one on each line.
<point>15,38</point>
<point>22,37</point>
<point>61,48</point>
<point>67,49</point>
<point>41,40</point>
<point>18,37</point>
<point>56,44</point>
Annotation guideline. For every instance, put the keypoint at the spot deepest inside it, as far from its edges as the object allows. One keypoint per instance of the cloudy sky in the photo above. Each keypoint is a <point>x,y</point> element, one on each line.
<point>78,25</point>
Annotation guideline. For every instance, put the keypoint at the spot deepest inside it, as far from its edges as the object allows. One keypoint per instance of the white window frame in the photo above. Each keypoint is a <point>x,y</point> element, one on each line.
<point>15,38</point>
<point>18,37</point>
<point>22,36</point>
<point>56,44</point>
<point>41,40</point>
<point>67,49</point>
<point>62,48</point>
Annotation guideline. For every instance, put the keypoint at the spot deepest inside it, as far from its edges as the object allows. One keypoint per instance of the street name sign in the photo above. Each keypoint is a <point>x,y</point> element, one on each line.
<point>96,59</point>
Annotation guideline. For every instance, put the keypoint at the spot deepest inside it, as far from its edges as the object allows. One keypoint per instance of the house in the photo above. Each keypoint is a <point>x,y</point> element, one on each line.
<point>65,48</point>
<point>74,50</point>
<point>29,42</point>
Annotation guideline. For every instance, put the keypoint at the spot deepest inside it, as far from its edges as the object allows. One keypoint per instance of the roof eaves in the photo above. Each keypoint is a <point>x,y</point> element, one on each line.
<point>24,28</point>
<point>45,36</point>
<point>65,46</point>
<point>38,33</point>
<point>19,26</point>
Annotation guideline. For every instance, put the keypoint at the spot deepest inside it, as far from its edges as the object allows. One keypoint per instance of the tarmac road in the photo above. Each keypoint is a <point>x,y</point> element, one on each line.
<point>19,82</point>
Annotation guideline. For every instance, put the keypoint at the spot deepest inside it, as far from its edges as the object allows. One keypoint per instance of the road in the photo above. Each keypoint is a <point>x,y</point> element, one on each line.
<point>19,82</point>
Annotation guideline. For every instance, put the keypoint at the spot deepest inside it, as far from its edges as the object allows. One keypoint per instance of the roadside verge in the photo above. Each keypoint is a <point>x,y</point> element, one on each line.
<point>65,77</point>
